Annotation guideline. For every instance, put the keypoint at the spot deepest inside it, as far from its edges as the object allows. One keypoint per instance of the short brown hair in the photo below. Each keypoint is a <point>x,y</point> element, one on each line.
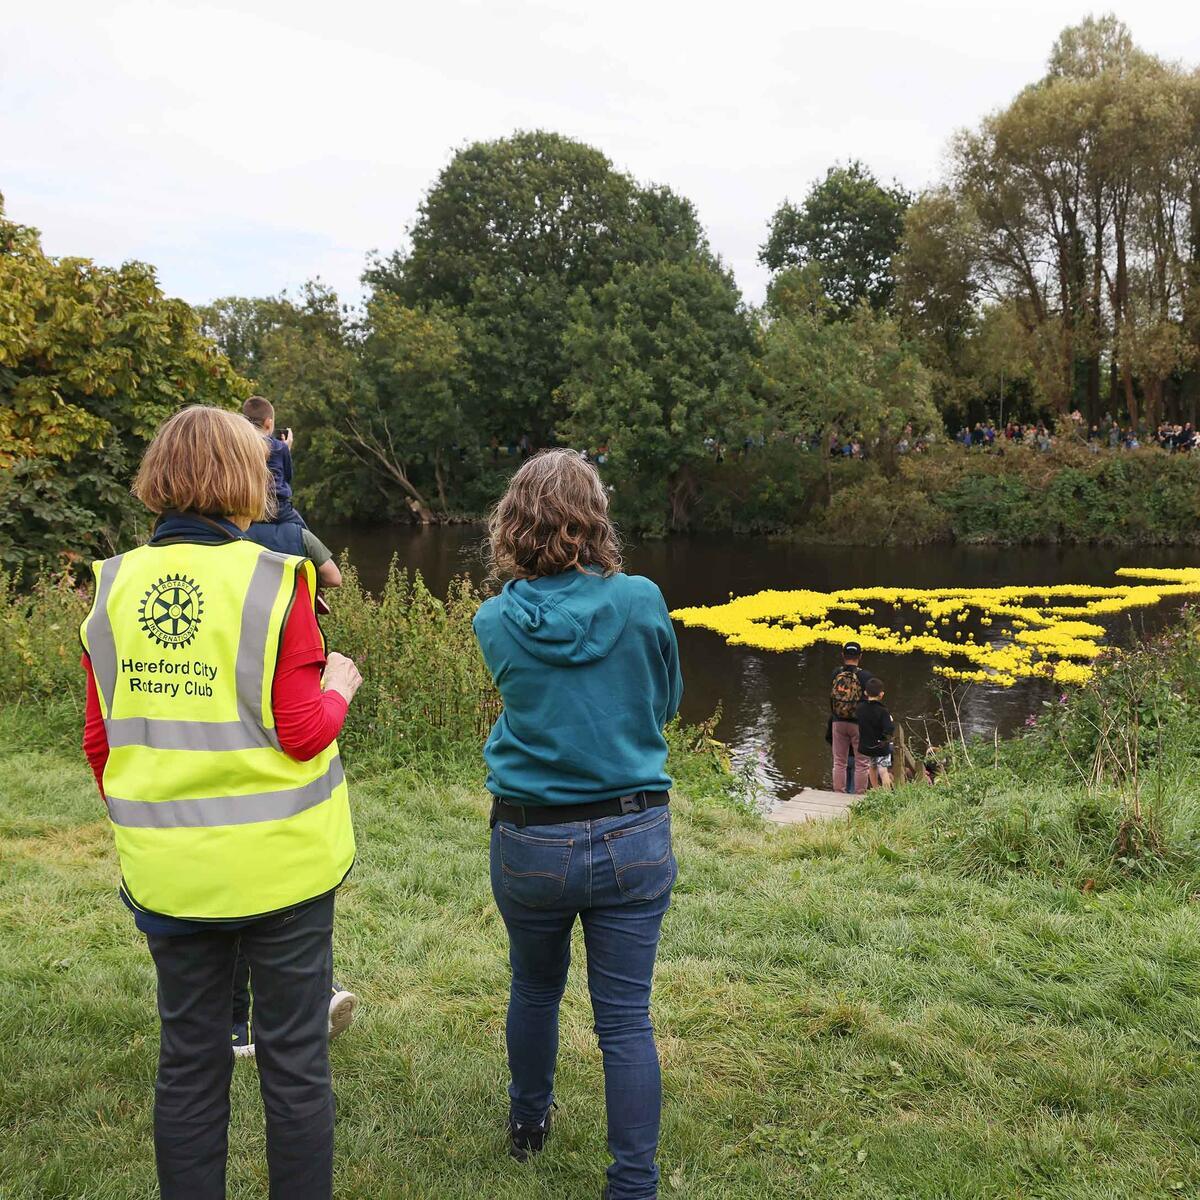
<point>258,410</point>
<point>553,517</point>
<point>209,461</point>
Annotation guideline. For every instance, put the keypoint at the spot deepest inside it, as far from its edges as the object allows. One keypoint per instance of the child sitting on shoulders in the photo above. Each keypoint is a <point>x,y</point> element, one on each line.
<point>260,412</point>
<point>875,729</point>
<point>286,531</point>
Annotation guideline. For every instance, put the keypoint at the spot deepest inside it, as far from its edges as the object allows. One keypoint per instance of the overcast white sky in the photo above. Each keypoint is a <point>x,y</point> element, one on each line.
<point>245,147</point>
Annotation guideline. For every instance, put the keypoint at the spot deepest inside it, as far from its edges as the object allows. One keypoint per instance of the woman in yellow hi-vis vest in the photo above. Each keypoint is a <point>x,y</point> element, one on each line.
<point>213,738</point>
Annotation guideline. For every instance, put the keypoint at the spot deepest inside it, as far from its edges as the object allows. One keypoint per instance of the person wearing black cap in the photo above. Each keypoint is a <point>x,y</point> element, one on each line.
<point>849,685</point>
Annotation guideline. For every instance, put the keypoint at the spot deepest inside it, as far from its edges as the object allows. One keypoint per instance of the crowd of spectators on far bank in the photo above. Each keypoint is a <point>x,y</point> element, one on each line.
<point>987,436</point>
<point>992,437</point>
<point>1169,436</point>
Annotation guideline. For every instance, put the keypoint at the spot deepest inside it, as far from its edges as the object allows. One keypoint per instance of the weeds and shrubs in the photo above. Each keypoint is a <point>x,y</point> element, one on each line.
<point>1102,785</point>
<point>425,687</point>
<point>39,638</point>
<point>1069,495</point>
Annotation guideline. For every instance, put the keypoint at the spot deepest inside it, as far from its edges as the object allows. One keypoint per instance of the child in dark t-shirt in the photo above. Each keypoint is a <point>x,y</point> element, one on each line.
<point>875,729</point>
<point>260,412</point>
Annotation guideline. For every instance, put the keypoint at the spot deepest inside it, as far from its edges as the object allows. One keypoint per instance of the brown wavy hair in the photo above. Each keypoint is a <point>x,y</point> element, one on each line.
<point>208,461</point>
<point>553,517</point>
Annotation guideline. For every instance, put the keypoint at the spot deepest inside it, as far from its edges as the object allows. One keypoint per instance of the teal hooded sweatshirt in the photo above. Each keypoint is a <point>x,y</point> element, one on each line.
<point>588,669</point>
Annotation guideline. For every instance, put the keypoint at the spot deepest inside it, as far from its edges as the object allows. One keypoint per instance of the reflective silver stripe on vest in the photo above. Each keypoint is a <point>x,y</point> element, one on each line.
<point>260,600</point>
<point>213,811</point>
<point>159,734</point>
<point>102,644</point>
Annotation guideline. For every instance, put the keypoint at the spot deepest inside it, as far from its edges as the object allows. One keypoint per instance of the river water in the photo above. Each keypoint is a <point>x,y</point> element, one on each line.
<point>774,706</point>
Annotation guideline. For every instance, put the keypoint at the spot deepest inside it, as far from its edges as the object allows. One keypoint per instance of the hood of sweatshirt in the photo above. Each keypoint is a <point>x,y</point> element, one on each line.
<point>569,619</point>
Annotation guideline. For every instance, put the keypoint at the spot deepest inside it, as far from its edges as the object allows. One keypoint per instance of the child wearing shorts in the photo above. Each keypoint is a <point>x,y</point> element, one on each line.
<point>875,729</point>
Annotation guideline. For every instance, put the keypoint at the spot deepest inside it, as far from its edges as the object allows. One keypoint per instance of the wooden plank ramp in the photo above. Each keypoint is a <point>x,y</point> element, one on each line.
<point>810,804</point>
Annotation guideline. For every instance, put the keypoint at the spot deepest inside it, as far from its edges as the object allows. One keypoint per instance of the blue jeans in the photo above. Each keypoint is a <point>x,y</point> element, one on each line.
<point>615,874</point>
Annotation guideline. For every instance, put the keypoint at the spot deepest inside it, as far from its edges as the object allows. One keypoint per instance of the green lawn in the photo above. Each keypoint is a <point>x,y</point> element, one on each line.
<point>838,1015</point>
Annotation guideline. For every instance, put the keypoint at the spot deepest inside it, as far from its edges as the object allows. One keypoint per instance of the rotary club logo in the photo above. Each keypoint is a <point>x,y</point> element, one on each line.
<point>171,610</point>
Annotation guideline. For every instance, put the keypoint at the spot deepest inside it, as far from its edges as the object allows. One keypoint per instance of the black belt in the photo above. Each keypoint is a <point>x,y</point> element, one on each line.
<point>561,814</point>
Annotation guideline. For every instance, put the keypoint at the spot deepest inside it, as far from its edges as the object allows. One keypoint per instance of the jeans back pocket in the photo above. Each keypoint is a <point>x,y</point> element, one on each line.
<point>534,868</point>
<point>642,859</point>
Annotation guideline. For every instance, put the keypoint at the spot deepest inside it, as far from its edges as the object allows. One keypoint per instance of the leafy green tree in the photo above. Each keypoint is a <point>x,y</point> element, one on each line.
<point>508,232</point>
<point>850,225</point>
<point>661,361</point>
<point>413,417</point>
<point>308,367</point>
<point>92,360</point>
<point>1083,194</point>
<point>377,400</point>
<point>999,360</point>
<point>936,289</point>
<point>91,353</point>
<point>851,377</point>
<point>241,327</point>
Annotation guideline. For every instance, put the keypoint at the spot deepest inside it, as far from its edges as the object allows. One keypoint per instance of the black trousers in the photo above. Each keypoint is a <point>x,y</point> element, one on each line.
<point>291,966</point>
<point>241,989</point>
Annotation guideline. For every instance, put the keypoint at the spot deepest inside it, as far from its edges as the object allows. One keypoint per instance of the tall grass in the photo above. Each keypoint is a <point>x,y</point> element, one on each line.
<point>426,691</point>
<point>971,991</point>
<point>1100,789</point>
<point>425,687</point>
<point>39,637</point>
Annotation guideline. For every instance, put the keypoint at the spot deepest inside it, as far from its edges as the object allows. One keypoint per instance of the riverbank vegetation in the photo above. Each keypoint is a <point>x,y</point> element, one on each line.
<point>541,296</point>
<point>981,988</point>
<point>1068,494</point>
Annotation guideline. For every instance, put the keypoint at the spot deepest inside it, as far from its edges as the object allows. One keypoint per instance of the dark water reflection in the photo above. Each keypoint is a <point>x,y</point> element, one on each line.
<point>774,705</point>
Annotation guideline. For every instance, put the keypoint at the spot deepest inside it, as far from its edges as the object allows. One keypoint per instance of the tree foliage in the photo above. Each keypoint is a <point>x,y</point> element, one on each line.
<point>848,227</point>
<point>544,297</point>
<point>1077,207</point>
<point>854,377</point>
<point>507,234</point>
<point>415,409</point>
<point>378,400</point>
<point>89,354</point>
<point>660,368</point>
<point>92,359</point>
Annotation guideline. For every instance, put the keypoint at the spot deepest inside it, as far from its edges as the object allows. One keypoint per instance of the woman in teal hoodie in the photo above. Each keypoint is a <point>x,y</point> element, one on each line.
<point>588,668</point>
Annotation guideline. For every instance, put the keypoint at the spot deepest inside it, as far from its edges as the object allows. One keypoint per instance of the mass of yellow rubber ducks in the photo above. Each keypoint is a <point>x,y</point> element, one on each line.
<point>1023,632</point>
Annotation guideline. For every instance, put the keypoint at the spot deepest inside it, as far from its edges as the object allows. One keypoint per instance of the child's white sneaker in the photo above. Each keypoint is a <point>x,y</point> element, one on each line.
<point>243,1047</point>
<point>341,1010</point>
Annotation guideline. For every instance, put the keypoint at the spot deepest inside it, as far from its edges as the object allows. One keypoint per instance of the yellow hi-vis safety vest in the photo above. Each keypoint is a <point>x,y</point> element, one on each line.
<point>212,820</point>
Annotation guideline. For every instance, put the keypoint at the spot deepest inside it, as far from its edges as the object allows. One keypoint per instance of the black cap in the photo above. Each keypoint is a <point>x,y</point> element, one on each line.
<point>851,650</point>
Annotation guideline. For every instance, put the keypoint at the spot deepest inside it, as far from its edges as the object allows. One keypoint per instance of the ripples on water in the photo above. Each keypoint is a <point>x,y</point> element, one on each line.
<point>774,706</point>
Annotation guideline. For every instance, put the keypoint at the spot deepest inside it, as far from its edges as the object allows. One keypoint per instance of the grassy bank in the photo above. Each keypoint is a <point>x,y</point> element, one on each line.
<point>989,988</point>
<point>1068,495</point>
<point>843,1012</point>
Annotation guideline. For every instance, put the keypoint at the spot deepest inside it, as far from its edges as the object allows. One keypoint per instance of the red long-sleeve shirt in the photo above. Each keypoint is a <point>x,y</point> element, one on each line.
<point>307,719</point>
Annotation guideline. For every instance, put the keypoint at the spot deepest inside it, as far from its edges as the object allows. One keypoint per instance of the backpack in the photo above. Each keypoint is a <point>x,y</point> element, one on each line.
<point>845,694</point>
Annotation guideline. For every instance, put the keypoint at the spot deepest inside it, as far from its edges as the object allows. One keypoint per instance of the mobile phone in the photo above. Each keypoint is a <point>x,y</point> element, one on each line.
<point>287,433</point>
